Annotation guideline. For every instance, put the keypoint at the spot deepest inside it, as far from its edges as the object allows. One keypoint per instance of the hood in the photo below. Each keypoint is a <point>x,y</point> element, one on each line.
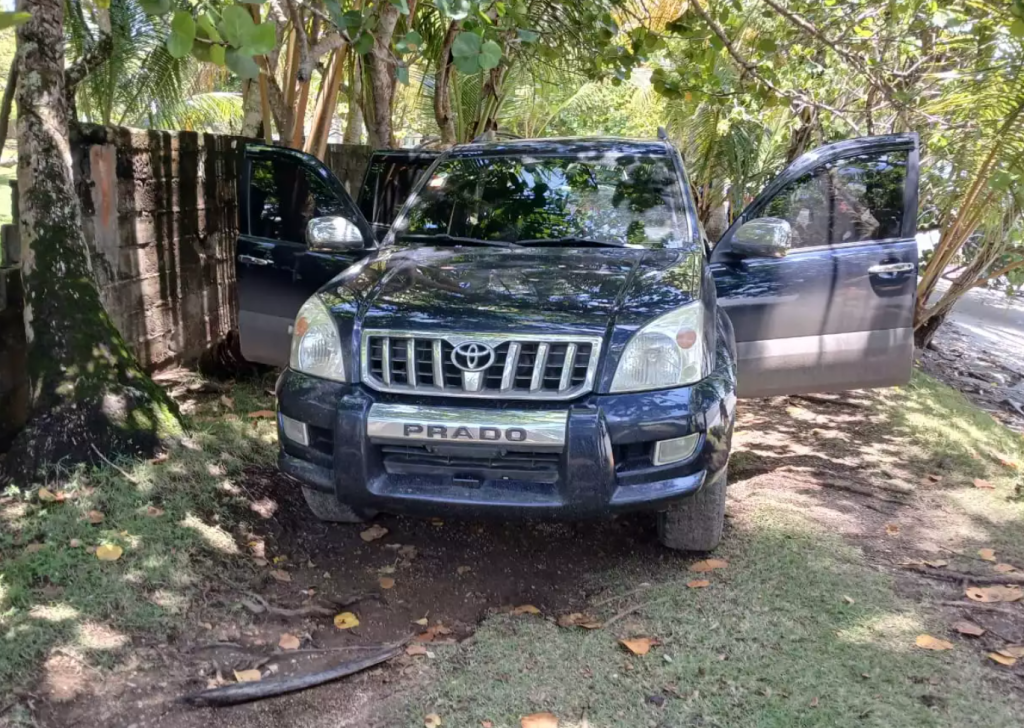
<point>521,290</point>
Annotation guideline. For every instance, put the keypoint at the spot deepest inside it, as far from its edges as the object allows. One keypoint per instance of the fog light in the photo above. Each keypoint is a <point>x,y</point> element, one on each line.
<point>672,451</point>
<point>294,430</point>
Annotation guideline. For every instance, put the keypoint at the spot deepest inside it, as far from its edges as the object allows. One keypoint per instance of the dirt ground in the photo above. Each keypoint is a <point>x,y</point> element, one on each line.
<point>834,459</point>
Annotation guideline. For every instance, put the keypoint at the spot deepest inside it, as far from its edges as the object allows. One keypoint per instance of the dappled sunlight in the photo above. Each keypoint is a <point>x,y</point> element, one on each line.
<point>895,630</point>
<point>96,636</point>
<point>171,602</point>
<point>54,612</point>
<point>214,536</point>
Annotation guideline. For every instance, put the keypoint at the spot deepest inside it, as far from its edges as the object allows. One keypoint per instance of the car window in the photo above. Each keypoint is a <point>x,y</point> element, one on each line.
<point>847,201</point>
<point>388,183</point>
<point>283,197</point>
<point>627,199</point>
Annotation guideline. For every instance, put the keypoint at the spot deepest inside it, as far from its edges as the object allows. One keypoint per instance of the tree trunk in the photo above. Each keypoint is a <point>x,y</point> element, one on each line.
<point>327,105</point>
<point>252,115</point>
<point>88,392</point>
<point>354,121</point>
<point>924,333</point>
<point>381,71</point>
<point>442,88</point>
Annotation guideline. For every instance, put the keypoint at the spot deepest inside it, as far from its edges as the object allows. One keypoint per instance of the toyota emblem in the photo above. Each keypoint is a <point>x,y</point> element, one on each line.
<point>471,356</point>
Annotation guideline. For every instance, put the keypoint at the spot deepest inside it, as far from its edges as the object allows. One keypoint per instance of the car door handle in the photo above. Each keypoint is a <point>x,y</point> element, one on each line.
<point>891,268</point>
<point>254,260</point>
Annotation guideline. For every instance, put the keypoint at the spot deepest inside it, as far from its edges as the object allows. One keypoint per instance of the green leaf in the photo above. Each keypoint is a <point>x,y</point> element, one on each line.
<point>467,64</point>
<point>217,55</point>
<point>466,45</point>
<point>13,20</point>
<point>206,28</point>
<point>363,43</point>
<point>403,75</point>
<point>235,25</point>
<point>103,4</point>
<point>155,7</point>
<point>528,36</point>
<point>409,43</point>
<point>490,55</point>
<point>454,9</point>
<point>241,63</point>
<point>261,39</point>
<point>1017,28</point>
<point>402,5</point>
<point>252,2</point>
<point>183,33</point>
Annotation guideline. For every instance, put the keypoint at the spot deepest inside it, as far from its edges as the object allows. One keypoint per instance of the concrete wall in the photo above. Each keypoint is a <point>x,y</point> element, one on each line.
<point>160,215</point>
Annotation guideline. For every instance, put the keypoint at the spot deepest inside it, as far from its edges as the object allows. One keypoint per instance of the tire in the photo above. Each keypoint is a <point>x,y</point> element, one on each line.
<point>696,523</point>
<point>326,507</point>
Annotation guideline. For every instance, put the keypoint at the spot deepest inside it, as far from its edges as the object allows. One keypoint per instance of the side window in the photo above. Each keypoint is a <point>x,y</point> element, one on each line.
<point>283,197</point>
<point>847,201</point>
<point>388,184</point>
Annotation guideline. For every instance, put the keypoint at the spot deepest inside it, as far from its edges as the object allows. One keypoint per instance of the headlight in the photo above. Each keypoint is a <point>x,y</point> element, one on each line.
<point>668,352</point>
<point>316,346</point>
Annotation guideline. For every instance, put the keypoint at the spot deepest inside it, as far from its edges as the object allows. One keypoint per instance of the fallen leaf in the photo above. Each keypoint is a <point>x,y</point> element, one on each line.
<point>1002,659</point>
<point>463,570</point>
<point>707,565</point>
<point>432,721</point>
<point>983,484</point>
<point>386,582</point>
<point>849,600</point>
<point>698,583</point>
<point>934,478</point>
<point>74,543</point>
<point>154,512</point>
<point>525,609</point>
<point>539,720</point>
<point>967,627</point>
<point>987,554</point>
<point>892,529</point>
<point>108,552</point>
<point>579,619</point>
<point>486,724</point>
<point>248,675</point>
<point>227,401</point>
<point>421,622</point>
<point>159,459</point>
<point>48,496</point>
<point>639,645</point>
<point>427,636</point>
<point>262,413</point>
<point>994,593</point>
<point>385,570</point>
<point>436,522</point>
<point>373,533</point>
<point>937,564</point>
<point>280,575</point>
<point>260,562</point>
<point>415,650</point>
<point>440,629</point>
<point>1004,568</point>
<point>94,517</point>
<point>814,702</point>
<point>288,642</point>
<point>911,562</point>
<point>346,620</point>
<point>1013,651</point>
<point>33,548</point>
<point>927,642</point>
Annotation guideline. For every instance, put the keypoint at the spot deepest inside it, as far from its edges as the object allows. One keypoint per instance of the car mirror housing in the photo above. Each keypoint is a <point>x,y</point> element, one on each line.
<point>333,233</point>
<point>766,237</point>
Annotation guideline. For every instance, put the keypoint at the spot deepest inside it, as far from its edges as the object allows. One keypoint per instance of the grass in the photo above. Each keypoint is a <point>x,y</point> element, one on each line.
<point>56,596</point>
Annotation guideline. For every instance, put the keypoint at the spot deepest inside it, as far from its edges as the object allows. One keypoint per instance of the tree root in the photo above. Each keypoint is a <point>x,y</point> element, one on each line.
<point>958,576</point>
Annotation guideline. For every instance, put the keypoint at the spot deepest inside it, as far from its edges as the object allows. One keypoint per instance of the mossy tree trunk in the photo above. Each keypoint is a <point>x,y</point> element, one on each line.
<point>89,394</point>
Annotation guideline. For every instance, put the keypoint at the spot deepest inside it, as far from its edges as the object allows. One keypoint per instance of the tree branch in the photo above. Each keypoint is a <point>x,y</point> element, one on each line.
<point>8,102</point>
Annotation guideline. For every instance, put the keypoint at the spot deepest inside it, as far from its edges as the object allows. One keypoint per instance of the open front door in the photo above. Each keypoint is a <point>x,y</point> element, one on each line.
<point>835,312</point>
<point>282,190</point>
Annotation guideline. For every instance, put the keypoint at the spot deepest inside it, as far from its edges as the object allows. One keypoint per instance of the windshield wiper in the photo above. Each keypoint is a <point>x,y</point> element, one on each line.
<point>455,240</point>
<point>571,240</point>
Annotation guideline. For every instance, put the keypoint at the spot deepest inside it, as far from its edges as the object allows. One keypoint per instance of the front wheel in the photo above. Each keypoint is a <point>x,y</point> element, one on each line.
<point>696,523</point>
<point>327,507</point>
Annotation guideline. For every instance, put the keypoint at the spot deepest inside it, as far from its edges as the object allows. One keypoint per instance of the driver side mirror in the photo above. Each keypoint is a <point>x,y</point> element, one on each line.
<point>766,237</point>
<point>333,233</point>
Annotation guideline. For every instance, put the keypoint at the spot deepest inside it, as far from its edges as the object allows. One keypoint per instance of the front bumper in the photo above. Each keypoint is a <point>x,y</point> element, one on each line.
<point>604,466</point>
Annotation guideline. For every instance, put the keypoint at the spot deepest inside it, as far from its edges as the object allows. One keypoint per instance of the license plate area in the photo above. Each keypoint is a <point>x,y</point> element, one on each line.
<point>467,430</point>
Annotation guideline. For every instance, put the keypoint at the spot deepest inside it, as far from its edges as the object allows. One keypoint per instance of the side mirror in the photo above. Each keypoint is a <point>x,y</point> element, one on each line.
<point>333,233</point>
<point>766,237</point>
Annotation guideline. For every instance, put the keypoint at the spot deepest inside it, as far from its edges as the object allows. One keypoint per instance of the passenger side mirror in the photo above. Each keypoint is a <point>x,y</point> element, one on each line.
<point>333,233</point>
<point>766,237</point>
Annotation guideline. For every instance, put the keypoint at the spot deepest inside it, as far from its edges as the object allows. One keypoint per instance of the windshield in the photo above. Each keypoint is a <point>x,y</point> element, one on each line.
<point>617,199</point>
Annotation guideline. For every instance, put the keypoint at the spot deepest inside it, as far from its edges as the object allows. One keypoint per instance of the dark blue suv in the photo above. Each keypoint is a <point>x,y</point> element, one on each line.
<point>545,330</point>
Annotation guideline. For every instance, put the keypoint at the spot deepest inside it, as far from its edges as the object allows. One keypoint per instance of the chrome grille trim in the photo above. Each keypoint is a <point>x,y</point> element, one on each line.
<point>520,371</point>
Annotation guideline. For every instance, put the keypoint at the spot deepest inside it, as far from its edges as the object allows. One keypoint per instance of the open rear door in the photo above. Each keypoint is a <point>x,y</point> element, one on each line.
<point>282,190</point>
<point>836,312</point>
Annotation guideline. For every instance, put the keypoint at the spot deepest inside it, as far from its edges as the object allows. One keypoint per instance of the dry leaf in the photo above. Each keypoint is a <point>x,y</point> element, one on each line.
<point>415,650</point>
<point>227,401</point>
<point>463,570</point>
<point>698,583</point>
<point>525,609</point>
<point>154,512</point>
<point>260,562</point>
<point>436,522</point>
<point>421,622</point>
<point>486,724</point>
<point>1002,659</point>
<point>639,645</point>
<point>427,636</point>
<point>892,529</point>
<point>1013,651</point>
<point>48,496</point>
<point>937,564</point>
<point>933,477</point>
<point>579,619</point>
<point>987,554</point>
<point>814,702</point>
<point>707,565</point>
<point>967,627</point>
<point>849,600</point>
<point>1004,568</point>
<point>74,543</point>
<point>280,575</point>
<point>994,593</point>
<point>248,675</point>
<point>94,517</point>
<point>346,620</point>
<point>386,582</point>
<point>263,413</point>
<point>984,484</point>
<point>288,642</point>
<point>33,548</point>
<point>373,533</point>
<point>539,720</point>
<point>432,721</point>
<point>108,552</point>
<point>927,642</point>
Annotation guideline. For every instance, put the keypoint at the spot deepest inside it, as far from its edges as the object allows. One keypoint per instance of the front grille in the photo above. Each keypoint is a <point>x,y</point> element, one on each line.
<point>497,465</point>
<point>550,367</point>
